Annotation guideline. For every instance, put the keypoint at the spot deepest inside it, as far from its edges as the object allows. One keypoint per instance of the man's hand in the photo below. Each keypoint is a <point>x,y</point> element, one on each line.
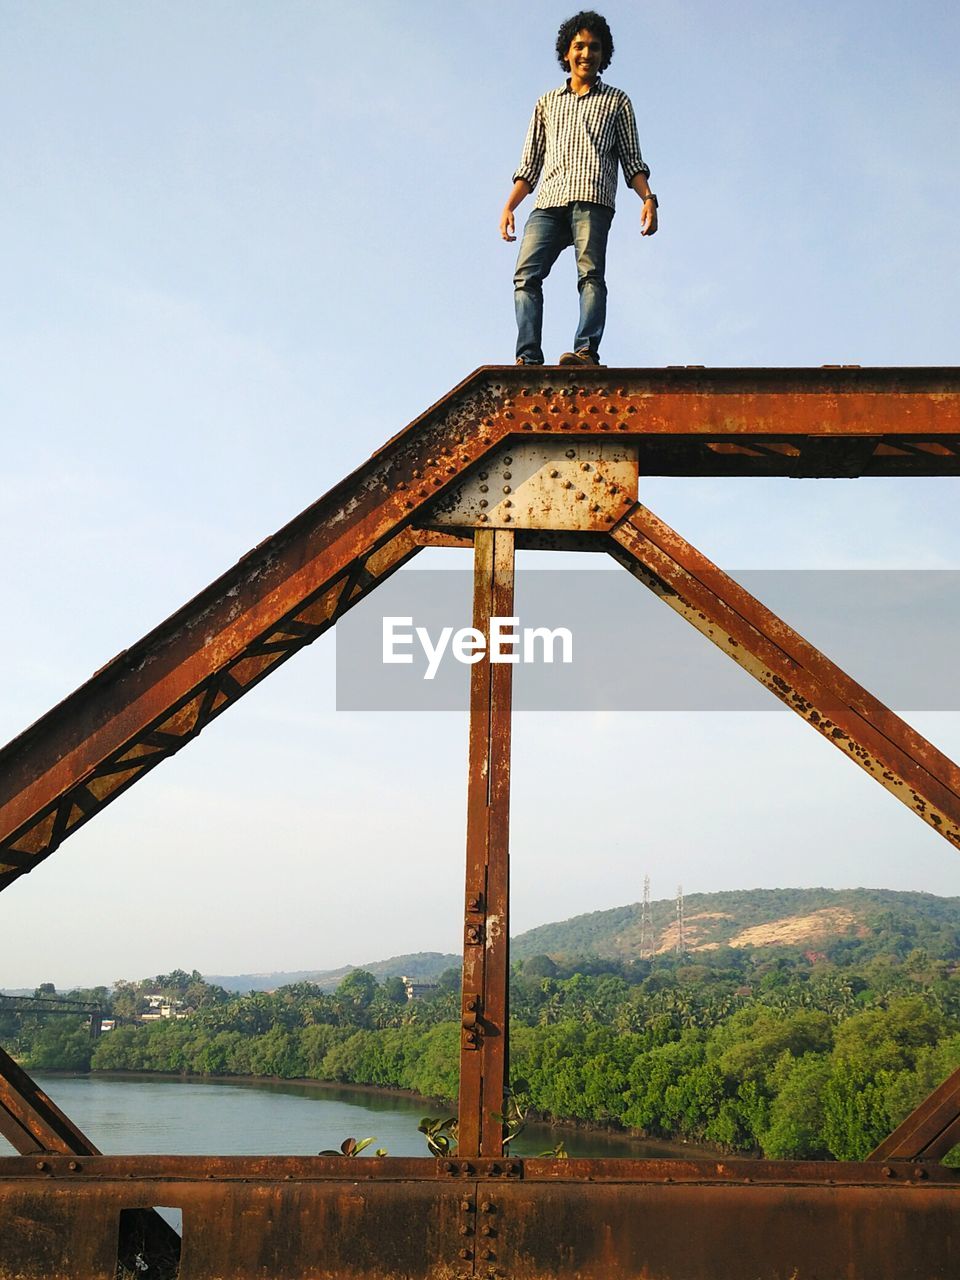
<point>648,219</point>
<point>521,189</point>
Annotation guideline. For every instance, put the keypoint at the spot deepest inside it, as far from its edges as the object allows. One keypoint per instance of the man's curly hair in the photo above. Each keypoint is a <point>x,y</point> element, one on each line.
<point>586,20</point>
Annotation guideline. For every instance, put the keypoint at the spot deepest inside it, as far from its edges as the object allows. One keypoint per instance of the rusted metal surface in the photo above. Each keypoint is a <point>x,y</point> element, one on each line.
<point>803,678</point>
<point>255,1230</point>
<point>30,1121</point>
<point>795,422</point>
<point>482,1213</point>
<point>484,1011</point>
<point>294,1218</point>
<point>930,1131</point>
<point>461,540</point>
<point>35,1126</point>
<point>571,1231</point>
<point>78,786</point>
<point>160,694</point>
<point>573,485</point>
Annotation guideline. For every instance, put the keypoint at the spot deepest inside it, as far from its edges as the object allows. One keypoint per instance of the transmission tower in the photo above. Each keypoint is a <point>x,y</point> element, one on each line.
<point>646,931</point>
<point>681,948</point>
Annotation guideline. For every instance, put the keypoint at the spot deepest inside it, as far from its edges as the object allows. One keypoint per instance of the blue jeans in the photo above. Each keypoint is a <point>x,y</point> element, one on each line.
<point>547,233</point>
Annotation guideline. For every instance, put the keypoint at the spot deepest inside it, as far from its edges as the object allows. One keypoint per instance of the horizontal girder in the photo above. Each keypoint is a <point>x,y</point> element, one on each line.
<point>752,422</point>
<point>423,1219</point>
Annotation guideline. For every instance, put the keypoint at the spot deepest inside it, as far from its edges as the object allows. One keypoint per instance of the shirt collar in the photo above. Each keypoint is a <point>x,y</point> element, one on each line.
<point>597,87</point>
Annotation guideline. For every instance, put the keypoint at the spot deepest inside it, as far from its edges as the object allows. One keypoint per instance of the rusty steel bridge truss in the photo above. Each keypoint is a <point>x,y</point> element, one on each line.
<point>513,458</point>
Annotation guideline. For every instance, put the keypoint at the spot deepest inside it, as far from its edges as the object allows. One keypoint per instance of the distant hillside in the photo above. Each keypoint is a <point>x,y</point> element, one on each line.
<point>865,920</point>
<point>425,966</point>
<point>857,922</point>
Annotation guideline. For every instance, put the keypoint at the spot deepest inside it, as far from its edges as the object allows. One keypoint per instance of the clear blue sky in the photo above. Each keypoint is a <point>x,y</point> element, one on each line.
<point>243,244</point>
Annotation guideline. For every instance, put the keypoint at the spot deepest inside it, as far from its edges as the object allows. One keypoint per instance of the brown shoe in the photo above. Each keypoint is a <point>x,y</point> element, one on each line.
<point>583,356</point>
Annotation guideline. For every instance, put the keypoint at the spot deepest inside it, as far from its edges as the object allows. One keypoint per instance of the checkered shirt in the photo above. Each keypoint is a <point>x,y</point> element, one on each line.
<point>574,142</point>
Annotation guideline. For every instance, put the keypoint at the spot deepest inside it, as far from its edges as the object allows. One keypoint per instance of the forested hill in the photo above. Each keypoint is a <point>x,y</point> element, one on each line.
<point>847,924</point>
<point>856,923</point>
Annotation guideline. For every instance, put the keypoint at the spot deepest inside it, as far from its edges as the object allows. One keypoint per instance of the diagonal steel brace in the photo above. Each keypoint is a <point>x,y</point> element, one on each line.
<point>930,1131</point>
<point>805,680</point>
<point>131,742</point>
<point>34,1125</point>
<point>802,677</point>
<point>30,1121</point>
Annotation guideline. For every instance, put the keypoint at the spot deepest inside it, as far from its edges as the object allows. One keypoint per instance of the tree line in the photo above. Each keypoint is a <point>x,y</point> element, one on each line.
<point>762,1052</point>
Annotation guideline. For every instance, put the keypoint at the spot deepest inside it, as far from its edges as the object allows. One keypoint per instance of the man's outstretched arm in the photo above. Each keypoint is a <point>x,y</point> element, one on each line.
<point>521,189</point>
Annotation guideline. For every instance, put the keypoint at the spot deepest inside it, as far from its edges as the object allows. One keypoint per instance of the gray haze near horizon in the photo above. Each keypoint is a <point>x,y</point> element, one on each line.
<point>246,244</point>
<point>427,966</point>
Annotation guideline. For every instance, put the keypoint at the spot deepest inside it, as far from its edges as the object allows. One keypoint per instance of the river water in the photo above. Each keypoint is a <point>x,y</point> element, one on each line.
<point>131,1115</point>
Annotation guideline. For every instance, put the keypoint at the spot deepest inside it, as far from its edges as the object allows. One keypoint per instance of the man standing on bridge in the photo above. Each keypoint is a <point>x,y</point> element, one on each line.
<point>577,135</point>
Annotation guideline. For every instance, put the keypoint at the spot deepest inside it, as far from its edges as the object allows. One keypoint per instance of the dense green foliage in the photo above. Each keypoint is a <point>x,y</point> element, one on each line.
<point>759,1051</point>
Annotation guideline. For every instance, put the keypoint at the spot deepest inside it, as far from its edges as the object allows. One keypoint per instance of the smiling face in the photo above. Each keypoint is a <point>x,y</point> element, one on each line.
<point>585,54</point>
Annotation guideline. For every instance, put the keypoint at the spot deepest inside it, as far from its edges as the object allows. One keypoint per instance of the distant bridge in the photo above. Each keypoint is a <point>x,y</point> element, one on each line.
<point>43,1005</point>
<point>512,458</point>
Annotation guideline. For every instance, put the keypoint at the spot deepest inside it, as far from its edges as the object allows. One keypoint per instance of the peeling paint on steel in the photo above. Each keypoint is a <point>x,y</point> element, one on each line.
<point>494,931</point>
<point>556,485</point>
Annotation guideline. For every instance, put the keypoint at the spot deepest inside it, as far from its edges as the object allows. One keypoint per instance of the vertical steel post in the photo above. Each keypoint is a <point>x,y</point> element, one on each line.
<point>484,1010</point>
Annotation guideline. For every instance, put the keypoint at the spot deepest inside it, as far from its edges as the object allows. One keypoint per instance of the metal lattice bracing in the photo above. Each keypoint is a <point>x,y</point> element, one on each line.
<point>512,458</point>
<point>159,694</point>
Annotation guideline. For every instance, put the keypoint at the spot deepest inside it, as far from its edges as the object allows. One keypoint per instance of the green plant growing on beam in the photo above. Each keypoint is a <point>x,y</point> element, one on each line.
<point>559,1152</point>
<point>514,1114</point>
<point>351,1147</point>
<point>516,1105</point>
<point>441,1135</point>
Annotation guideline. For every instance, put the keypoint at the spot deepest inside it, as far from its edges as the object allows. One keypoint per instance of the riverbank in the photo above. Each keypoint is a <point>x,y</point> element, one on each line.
<point>543,1133</point>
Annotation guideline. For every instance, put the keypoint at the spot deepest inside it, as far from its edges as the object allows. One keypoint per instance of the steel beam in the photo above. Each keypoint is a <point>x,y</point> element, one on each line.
<point>803,678</point>
<point>550,485</point>
<point>135,737</point>
<point>43,1005</point>
<point>484,1011</point>
<point>585,1219</point>
<point>30,1121</point>
<point>786,422</point>
<point>297,1218</point>
<point>35,1126</point>
<point>930,1131</point>
<point>161,693</point>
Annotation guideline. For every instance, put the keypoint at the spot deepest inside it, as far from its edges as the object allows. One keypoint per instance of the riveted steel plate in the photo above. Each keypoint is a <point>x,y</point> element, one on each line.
<point>581,485</point>
<point>396,1218</point>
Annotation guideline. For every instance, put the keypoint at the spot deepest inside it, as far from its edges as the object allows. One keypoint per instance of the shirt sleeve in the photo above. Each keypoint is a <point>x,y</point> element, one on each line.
<point>628,144</point>
<point>534,149</point>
